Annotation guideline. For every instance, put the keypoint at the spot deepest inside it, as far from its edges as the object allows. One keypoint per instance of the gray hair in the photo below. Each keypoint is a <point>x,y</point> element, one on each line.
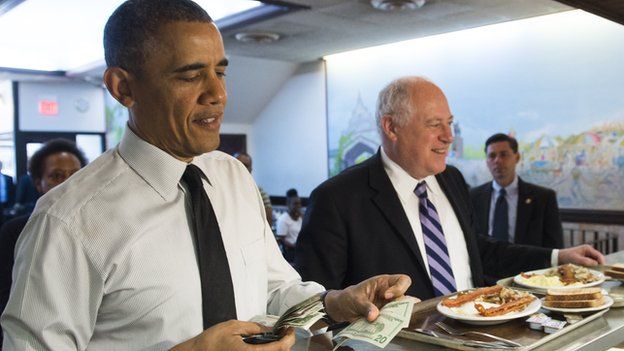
<point>395,100</point>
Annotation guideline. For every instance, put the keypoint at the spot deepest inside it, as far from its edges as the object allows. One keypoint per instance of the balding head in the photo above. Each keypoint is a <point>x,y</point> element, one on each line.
<point>415,121</point>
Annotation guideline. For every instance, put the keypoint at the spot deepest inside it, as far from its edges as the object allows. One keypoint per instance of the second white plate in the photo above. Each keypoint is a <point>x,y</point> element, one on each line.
<point>520,281</point>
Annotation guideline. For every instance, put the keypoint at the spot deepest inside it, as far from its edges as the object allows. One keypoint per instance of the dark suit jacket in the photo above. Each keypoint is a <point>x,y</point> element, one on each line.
<point>537,218</point>
<point>9,233</point>
<point>9,187</point>
<point>355,227</point>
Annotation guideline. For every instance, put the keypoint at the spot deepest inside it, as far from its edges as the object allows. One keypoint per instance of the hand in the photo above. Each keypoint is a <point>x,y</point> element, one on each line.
<point>228,336</point>
<point>583,255</point>
<point>365,298</point>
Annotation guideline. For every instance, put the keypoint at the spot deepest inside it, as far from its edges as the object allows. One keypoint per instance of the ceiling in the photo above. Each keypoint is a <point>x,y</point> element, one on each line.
<point>333,26</point>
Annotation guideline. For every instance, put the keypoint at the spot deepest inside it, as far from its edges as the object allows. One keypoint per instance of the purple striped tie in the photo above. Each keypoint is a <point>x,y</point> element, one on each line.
<point>435,245</point>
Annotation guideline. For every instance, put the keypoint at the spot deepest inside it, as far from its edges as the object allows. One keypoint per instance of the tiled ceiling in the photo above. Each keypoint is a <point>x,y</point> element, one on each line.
<point>332,26</point>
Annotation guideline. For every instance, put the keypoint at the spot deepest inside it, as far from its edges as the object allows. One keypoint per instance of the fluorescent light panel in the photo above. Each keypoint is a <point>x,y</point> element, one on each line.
<point>66,34</point>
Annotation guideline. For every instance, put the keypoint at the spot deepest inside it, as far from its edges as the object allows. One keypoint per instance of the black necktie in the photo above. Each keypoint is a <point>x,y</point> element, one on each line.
<point>500,229</point>
<point>214,271</point>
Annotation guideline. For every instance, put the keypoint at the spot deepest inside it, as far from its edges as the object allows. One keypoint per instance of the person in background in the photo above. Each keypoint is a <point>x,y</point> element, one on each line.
<point>510,209</point>
<point>248,163</point>
<point>289,224</point>
<point>50,166</point>
<point>404,210</point>
<point>162,242</point>
<point>7,191</point>
<point>26,195</point>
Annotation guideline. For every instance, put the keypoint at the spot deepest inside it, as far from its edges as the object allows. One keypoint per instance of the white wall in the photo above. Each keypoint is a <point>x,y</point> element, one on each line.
<point>289,143</point>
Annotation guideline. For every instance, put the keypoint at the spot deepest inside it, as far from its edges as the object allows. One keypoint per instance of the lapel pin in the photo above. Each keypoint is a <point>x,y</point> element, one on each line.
<point>527,201</point>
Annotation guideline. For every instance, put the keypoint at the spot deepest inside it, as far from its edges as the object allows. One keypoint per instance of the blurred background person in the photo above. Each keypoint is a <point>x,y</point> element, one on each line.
<point>49,166</point>
<point>289,224</point>
<point>26,196</point>
<point>7,192</point>
<point>246,160</point>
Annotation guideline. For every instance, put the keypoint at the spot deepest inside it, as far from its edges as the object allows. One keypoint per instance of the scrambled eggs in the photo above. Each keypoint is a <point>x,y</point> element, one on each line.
<point>545,281</point>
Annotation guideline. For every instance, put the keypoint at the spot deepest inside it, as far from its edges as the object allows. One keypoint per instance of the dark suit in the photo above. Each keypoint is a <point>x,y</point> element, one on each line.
<point>355,227</point>
<point>537,217</point>
<point>9,233</point>
<point>9,189</point>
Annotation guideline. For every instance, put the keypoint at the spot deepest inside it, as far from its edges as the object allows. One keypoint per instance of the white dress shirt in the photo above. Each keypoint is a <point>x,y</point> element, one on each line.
<point>404,185</point>
<point>107,260</point>
<point>512,206</point>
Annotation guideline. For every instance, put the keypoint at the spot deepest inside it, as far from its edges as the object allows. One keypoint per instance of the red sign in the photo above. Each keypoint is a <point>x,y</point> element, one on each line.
<point>48,107</point>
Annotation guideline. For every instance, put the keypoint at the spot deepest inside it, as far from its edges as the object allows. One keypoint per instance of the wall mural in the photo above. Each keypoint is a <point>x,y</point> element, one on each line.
<point>554,82</point>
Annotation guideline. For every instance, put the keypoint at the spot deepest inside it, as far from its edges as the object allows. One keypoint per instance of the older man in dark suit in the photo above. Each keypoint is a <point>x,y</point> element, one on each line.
<point>510,209</point>
<point>404,210</point>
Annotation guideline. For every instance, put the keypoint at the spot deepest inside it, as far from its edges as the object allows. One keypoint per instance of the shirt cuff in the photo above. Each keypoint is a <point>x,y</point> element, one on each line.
<point>554,258</point>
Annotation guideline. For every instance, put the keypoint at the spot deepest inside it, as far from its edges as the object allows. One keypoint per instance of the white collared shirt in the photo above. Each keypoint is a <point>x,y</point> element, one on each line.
<point>107,260</point>
<point>511,195</point>
<point>404,185</point>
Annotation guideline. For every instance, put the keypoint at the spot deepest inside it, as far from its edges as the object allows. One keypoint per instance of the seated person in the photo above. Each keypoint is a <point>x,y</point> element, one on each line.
<point>289,224</point>
<point>405,211</point>
<point>510,209</point>
<point>50,166</point>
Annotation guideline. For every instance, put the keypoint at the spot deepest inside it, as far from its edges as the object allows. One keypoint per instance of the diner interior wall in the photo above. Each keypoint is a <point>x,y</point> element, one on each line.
<point>289,136</point>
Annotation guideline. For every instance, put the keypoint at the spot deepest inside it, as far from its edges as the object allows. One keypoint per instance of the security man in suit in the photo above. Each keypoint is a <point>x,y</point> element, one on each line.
<point>510,209</point>
<point>404,210</point>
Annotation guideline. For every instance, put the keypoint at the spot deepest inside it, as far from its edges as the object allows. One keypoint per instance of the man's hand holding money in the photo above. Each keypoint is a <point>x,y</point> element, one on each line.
<point>366,298</point>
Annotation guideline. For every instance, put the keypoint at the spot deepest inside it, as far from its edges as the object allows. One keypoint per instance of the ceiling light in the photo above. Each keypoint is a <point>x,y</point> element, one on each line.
<point>257,37</point>
<point>397,5</point>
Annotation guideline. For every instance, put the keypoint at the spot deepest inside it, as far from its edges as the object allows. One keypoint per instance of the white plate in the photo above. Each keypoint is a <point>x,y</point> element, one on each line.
<point>608,301</point>
<point>477,319</point>
<point>518,280</point>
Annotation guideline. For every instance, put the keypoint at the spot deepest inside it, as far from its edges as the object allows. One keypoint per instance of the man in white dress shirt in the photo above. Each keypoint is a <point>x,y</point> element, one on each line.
<point>108,260</point>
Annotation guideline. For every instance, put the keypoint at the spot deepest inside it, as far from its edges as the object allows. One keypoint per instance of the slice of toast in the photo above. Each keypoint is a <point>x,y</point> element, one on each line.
<point>580,294</point>
<point>574,303</point>
<point>618,267</point>
<point>614,274</point>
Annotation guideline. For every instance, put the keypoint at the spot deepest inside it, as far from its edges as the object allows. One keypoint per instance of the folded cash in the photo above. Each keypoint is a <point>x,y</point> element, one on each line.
<point>302,315</point>
<point>392,318</point>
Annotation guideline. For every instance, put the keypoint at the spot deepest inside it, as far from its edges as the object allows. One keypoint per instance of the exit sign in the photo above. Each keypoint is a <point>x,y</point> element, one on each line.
<point>48,107</point>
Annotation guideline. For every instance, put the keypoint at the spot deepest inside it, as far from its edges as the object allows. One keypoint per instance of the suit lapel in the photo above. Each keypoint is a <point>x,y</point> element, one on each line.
<point>388,203</point>
<point>485,198</point>
<point>525,204</point>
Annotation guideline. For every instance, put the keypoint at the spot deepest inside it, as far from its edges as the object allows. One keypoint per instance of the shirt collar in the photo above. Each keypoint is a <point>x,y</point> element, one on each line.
<point>510,189</point>
<point>402,181</point>
<point>159,169</point>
